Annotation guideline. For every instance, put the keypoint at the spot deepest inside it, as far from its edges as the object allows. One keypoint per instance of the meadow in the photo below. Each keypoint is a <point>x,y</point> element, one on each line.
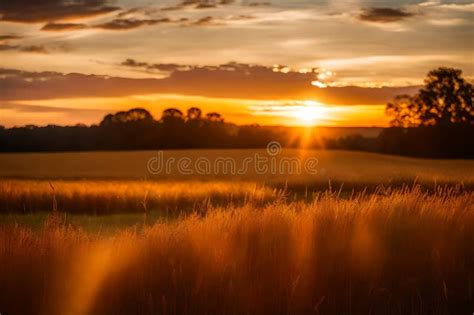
<point>349,167</point>
<point>408,252</point>
<point>103,183</point>
<point>96,233</point>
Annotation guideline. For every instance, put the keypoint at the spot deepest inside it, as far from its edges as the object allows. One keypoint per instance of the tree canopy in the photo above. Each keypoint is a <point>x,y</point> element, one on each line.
<point>445,99</point>
<point>135,115</point>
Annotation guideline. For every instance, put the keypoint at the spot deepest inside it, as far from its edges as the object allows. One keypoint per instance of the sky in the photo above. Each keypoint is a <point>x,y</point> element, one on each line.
<point>271,62</point>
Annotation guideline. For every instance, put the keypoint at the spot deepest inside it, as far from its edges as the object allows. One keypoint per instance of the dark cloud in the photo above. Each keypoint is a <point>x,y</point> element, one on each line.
<point>4,47</point>
<point>4,38</point>
<point>259,4</point>
<point>35,11</point>
<point>384,15</point>
<point>206,21</point>
<point>198,4</point>
<point>58,27</point>
<point>241,17</point>
<point>126,24</point>
<point>120,24</point>
<point>161,67</point>
<point>216,21</point>
<point>232,80</point>
<point>39,49</point>
<point>205,6</point>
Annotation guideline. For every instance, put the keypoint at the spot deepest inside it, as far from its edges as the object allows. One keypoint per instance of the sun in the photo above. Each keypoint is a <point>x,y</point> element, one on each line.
<point>310,112</point>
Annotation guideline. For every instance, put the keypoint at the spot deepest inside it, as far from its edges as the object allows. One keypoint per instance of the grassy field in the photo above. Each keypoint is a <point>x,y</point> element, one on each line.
<point>96,233</point>
<point>351,168</point>
<point>120,182</point>
<point>404,253</point>
<point>104,197</point>
<point>104,183</point>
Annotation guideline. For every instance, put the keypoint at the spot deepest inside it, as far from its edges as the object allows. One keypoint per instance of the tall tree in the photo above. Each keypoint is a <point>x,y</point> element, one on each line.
<point>445,99</point>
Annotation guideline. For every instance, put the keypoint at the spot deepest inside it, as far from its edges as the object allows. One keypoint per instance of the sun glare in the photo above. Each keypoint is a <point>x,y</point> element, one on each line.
<point>310,112</point>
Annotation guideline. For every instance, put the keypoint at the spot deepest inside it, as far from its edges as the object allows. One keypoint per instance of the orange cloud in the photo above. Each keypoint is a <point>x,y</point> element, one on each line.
<point>53,10</point>
<point>231,80</point>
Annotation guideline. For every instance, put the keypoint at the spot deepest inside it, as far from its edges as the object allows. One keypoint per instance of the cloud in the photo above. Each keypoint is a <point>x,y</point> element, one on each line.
<point>447,22</point>
<point>38,49</point>
<point>20,114</point>
<point>384,15</point>
<point>231,80</point>
<point>120,24</point>
<point>206,21</point>
<point>48,109</point>
<point>36,11</point>
<point>205,6</point>
<point>198,4</point>
<point>165,67</point>
<point>127,24</point>
<point>215,21</point>
<point>59,27</point>
<point>466,7</point>
<point>259,4</point>
<point>241,17</point>
<point>4,38</point>
<point>4,47</point>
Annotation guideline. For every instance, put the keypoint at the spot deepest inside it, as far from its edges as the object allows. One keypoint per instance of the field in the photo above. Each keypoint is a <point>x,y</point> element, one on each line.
<point>351,168</point>
<point>96,233</point>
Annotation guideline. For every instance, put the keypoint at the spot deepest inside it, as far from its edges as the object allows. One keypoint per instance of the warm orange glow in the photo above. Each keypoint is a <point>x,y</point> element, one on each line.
<point>91,110</point>
<point>310,113</point>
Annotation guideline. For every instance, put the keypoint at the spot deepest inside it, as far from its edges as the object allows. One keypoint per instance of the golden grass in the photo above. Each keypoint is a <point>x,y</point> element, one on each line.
<point>135,196</point>
<point>164,198</point>
<point>406,252</point>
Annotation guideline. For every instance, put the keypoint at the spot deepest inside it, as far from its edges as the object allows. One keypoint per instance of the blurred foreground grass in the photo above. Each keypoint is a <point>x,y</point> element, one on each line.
<point>401,252</point>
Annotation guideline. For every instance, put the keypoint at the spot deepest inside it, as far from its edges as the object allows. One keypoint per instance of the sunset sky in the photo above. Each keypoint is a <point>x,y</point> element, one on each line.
<point>272,62</point>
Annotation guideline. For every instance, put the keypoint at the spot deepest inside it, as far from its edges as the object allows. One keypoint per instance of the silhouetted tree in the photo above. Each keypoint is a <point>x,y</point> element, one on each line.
<point>445,99</point>
<point>172,114</point>
<point>194,113</point>
<point>138,115</point>
<point>172,129</point>
<point>135,115</point>
<point>437,122</point>
<point>194,136</point>
<point>404,111</point>
<point>214,117</point>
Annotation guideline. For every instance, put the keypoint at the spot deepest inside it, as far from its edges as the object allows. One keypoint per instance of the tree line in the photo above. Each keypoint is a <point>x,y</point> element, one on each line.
<point>438,122</point>
<point>137,129</point>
